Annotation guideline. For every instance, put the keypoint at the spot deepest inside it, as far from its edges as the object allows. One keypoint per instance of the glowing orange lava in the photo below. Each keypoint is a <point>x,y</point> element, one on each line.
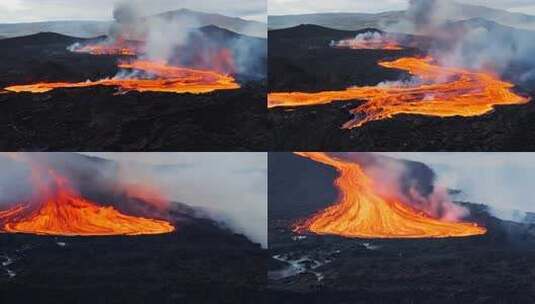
<point>64,212</point>
<point>167,78</point>
<point>445,92</point>
<point>360,212</point>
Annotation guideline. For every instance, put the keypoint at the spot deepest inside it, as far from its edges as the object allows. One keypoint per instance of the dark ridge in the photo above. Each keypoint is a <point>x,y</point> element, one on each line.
<point>41,38</point>
<point>312,30</point>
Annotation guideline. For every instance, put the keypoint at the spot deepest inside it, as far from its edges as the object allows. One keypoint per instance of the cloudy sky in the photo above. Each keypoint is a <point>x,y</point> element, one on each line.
<point>12,11</point>
<point>502,180</point>
<point>283,7</point>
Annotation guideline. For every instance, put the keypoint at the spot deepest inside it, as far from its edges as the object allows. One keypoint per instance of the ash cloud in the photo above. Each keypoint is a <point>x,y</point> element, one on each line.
<point>412,183</point>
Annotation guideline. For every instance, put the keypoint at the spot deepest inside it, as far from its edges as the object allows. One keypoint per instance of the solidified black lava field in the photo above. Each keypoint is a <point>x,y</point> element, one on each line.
<point>300,59</point>
<point>495,268</point>
<point>97,119</point>
<point>199,263</point>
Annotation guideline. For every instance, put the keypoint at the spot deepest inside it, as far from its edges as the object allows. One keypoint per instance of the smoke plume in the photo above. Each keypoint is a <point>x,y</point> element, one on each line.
<point>412,183</point>
<point>473,37</point>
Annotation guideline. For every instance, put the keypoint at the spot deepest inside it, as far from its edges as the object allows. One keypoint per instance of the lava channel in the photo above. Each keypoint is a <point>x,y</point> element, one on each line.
<point>444,92</point>
<point>361,213</point>
<point>167,78</point>
<point>64,212</point>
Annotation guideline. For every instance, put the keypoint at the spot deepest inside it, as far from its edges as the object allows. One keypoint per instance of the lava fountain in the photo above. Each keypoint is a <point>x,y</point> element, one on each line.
<point>166,78</point>
<point>60,210</point>
<point>361,212</point>
<point>443,92</point>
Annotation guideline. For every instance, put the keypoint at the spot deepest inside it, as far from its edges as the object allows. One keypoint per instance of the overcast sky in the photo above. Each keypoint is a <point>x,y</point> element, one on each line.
<point>12,11</point>
<point>501,180</point>
<point>283,7</point>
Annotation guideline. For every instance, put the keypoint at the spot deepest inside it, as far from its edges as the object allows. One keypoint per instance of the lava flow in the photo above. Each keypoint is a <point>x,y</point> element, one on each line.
<point>361,212</point>
<point>119,47</point>
<point>166,78</point>
<point>444,92</point>
<point>62,211</point>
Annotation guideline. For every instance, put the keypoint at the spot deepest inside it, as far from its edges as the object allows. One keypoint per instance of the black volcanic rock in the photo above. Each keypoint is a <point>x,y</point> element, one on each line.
<point>169,268</point>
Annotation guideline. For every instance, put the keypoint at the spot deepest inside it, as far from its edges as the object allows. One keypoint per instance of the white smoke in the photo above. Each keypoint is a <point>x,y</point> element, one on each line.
<point>502,181</point>
<point>470,40</point>
<point>230,187</point>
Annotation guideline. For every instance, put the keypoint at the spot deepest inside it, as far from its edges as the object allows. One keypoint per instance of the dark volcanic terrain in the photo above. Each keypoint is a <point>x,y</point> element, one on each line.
<point>199,263</point>
<point>495,268</point>
<point>300,59</point>
<point>97,119</point>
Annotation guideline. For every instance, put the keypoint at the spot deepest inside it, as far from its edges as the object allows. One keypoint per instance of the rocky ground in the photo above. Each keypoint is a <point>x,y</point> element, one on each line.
<point>313,66</point>
<point>199,263</point>
<point>305,268</point>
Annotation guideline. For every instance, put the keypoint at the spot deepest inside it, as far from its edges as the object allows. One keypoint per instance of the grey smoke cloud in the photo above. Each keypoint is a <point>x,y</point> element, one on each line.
<point>230,187</point>
<point>503,181</point>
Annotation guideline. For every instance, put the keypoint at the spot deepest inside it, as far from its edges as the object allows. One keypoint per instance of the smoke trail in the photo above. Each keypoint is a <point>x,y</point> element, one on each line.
<point>412,183</point>
<point>469,40</point>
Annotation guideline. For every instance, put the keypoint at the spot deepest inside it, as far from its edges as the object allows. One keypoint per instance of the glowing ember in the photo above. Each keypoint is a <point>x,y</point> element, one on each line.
<point>64,212</point>
<point>445,92</point>
<point>166,79</point>
<point>360,212</point>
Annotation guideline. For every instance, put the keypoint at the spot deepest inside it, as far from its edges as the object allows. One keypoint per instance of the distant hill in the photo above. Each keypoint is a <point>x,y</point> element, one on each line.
<point>353,21</point>
<point>238,25</point>
<point>86,29</point>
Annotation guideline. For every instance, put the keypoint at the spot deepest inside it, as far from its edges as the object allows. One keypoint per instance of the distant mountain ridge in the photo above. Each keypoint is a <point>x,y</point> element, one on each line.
<point>88,29</point>
<point>388,20</point>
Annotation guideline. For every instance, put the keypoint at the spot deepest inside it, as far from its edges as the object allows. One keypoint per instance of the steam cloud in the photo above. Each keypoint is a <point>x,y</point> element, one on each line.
<point>501,181</point>
<point>412,183</point>
<point>179,40</point>
<point>228,189</point>
<point>473,42</point>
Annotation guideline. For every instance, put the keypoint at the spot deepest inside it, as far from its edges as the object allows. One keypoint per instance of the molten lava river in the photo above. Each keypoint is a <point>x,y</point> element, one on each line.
<point>360,212</point>
<point>443,92</point>
<point>64,212</point>
<point>169,79</point>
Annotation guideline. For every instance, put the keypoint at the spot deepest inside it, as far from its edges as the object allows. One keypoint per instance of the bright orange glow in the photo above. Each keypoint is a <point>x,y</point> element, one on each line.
<point>169,79</point>
<point>445,92</point>
<point>360,212</point>
<point>64,212</point>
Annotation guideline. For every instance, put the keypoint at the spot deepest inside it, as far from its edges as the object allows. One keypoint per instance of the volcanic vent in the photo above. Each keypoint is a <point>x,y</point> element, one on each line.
<point>368,209</point>
<point>56,208</point>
